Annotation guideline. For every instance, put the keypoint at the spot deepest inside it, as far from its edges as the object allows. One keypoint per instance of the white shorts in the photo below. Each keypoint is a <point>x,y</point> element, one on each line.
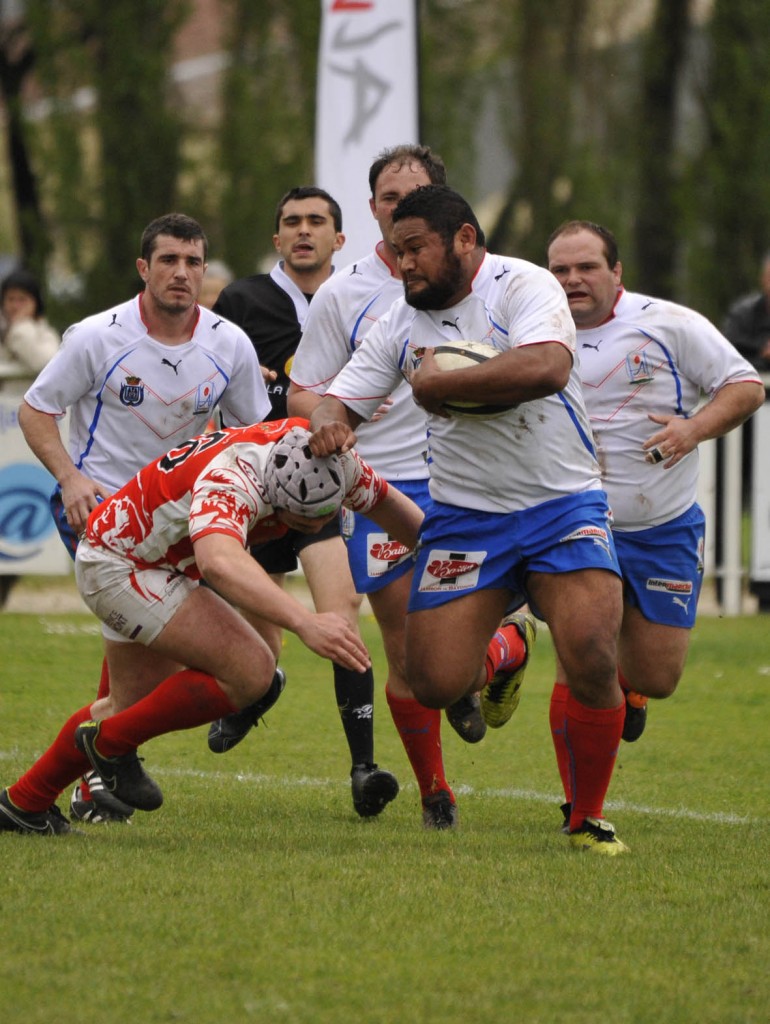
<point>134,604</point>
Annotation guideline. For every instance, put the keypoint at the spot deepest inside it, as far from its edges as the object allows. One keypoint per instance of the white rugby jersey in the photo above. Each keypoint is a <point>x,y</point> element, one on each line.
<point>343,311</point>
<point>209,484</point>
<point>131,397</point>
<point>653,356</point>
<point>536,452</point>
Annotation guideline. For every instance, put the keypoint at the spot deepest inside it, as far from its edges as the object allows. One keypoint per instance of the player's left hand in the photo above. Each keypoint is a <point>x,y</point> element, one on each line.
<point>669,445</point>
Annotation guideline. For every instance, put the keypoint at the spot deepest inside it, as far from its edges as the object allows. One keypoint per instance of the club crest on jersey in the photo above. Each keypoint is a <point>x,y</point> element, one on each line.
<point>383,553</point>
<point>638,368</point>
<point>451,570</point>
<point>132,391</point>
<point>205,398</point>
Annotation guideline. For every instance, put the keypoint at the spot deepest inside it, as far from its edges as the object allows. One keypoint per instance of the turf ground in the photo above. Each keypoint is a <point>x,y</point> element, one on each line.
<point>256,894</point>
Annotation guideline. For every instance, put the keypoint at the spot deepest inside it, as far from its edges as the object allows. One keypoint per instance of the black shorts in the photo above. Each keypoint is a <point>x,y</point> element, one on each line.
<point>280,555</point>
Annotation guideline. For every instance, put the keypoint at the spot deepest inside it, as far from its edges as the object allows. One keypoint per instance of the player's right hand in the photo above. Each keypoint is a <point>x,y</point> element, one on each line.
<point>334,438</point>
<point>332,636</point>
<point>80,495</point>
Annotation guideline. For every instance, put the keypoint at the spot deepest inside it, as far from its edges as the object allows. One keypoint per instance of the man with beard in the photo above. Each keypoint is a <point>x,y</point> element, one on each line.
<point>518,512</point>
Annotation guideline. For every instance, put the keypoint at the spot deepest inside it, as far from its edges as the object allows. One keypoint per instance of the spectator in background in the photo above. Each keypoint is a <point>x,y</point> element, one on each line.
<point>218,276</point>
<point>27,340</point>
<point>747,324</point>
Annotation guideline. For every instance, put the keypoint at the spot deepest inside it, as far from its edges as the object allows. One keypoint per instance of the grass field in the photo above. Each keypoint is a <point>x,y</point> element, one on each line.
<point>256,894</point>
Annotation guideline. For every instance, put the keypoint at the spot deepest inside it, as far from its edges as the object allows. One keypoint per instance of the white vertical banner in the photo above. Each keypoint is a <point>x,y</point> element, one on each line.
<point>367,99</point>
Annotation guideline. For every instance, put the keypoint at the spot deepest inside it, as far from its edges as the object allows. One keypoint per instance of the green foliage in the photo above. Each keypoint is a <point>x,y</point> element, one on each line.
<point>652,122</point>
<point>266,130</point>
<point>113,168</point>
<point>733,180</point>
<point>255,893</point>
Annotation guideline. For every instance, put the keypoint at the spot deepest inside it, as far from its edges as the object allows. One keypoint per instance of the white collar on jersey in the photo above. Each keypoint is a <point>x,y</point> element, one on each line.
<point>297,296</point>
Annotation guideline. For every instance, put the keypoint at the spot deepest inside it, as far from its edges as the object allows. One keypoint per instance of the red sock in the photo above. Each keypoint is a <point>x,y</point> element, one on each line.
<point>103,691</point>
<point>506,651</point>
<point>558,713</point>
<point>61,764</point>
<point>184,700</point>
<point>420,731</point>
<point>593,738</point>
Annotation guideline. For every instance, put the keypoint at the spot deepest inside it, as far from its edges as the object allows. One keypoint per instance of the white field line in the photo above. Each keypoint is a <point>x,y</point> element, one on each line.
<point>528,795</point>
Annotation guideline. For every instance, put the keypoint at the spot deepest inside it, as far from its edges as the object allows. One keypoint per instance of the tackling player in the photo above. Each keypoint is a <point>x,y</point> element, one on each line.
<point>180,655</point>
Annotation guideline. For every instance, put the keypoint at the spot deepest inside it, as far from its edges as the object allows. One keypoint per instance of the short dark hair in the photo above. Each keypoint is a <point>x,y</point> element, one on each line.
<point>310,192</point>
<point>405,154</point>
<point>609,243</point>
<point>444,210</point>
<point>178,225</point>
<point>25,281</point>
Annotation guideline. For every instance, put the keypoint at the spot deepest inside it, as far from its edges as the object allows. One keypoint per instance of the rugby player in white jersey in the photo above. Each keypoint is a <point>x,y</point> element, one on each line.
<point>518,514</point>
<point>644,364</point>
<point>181,654</point>
<point>137,379</point>
<point>344,309</point>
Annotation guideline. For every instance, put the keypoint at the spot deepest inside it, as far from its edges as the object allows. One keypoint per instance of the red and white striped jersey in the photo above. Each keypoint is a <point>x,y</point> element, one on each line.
<point>212,483</point>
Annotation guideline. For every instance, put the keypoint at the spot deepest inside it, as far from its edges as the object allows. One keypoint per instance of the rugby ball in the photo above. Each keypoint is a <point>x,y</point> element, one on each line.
<point>459,355</point>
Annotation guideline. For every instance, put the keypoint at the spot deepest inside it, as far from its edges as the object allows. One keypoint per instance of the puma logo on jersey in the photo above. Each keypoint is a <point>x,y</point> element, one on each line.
<point>114,322</point>
<point>214,326</point>
<point>587,344</point>
<point>166,362</point>
<point>503,272</point>
<point>681,603</point>
<point>452,323</point>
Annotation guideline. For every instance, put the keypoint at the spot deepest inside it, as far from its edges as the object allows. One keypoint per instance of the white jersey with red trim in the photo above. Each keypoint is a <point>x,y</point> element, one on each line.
<point>536,452</point>
<point>131,397</point>
<point>653,356</point>
<point>343,311</point>
<point>212,483</point>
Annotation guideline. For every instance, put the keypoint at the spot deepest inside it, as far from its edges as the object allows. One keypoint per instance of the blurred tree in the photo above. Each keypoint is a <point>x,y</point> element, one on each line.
<point>113,168</point>
<point>17,59</point>
<point>657,210</point>
<point>266,130</point>
<point>732,181</point>
<point>546,42</point>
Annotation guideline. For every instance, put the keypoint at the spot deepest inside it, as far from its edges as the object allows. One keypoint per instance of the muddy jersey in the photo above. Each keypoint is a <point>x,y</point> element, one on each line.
<point>131,397</point>
<point>344,310</point>
<point>652,356</point>
<point>538,451</point>
<point>212,483</point>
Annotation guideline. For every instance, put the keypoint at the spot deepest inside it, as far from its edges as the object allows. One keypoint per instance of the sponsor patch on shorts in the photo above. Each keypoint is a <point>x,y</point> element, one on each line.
<point>382,553</point>
<point>451,570</point>
<point>669,586</point>
<point>595,533</point>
